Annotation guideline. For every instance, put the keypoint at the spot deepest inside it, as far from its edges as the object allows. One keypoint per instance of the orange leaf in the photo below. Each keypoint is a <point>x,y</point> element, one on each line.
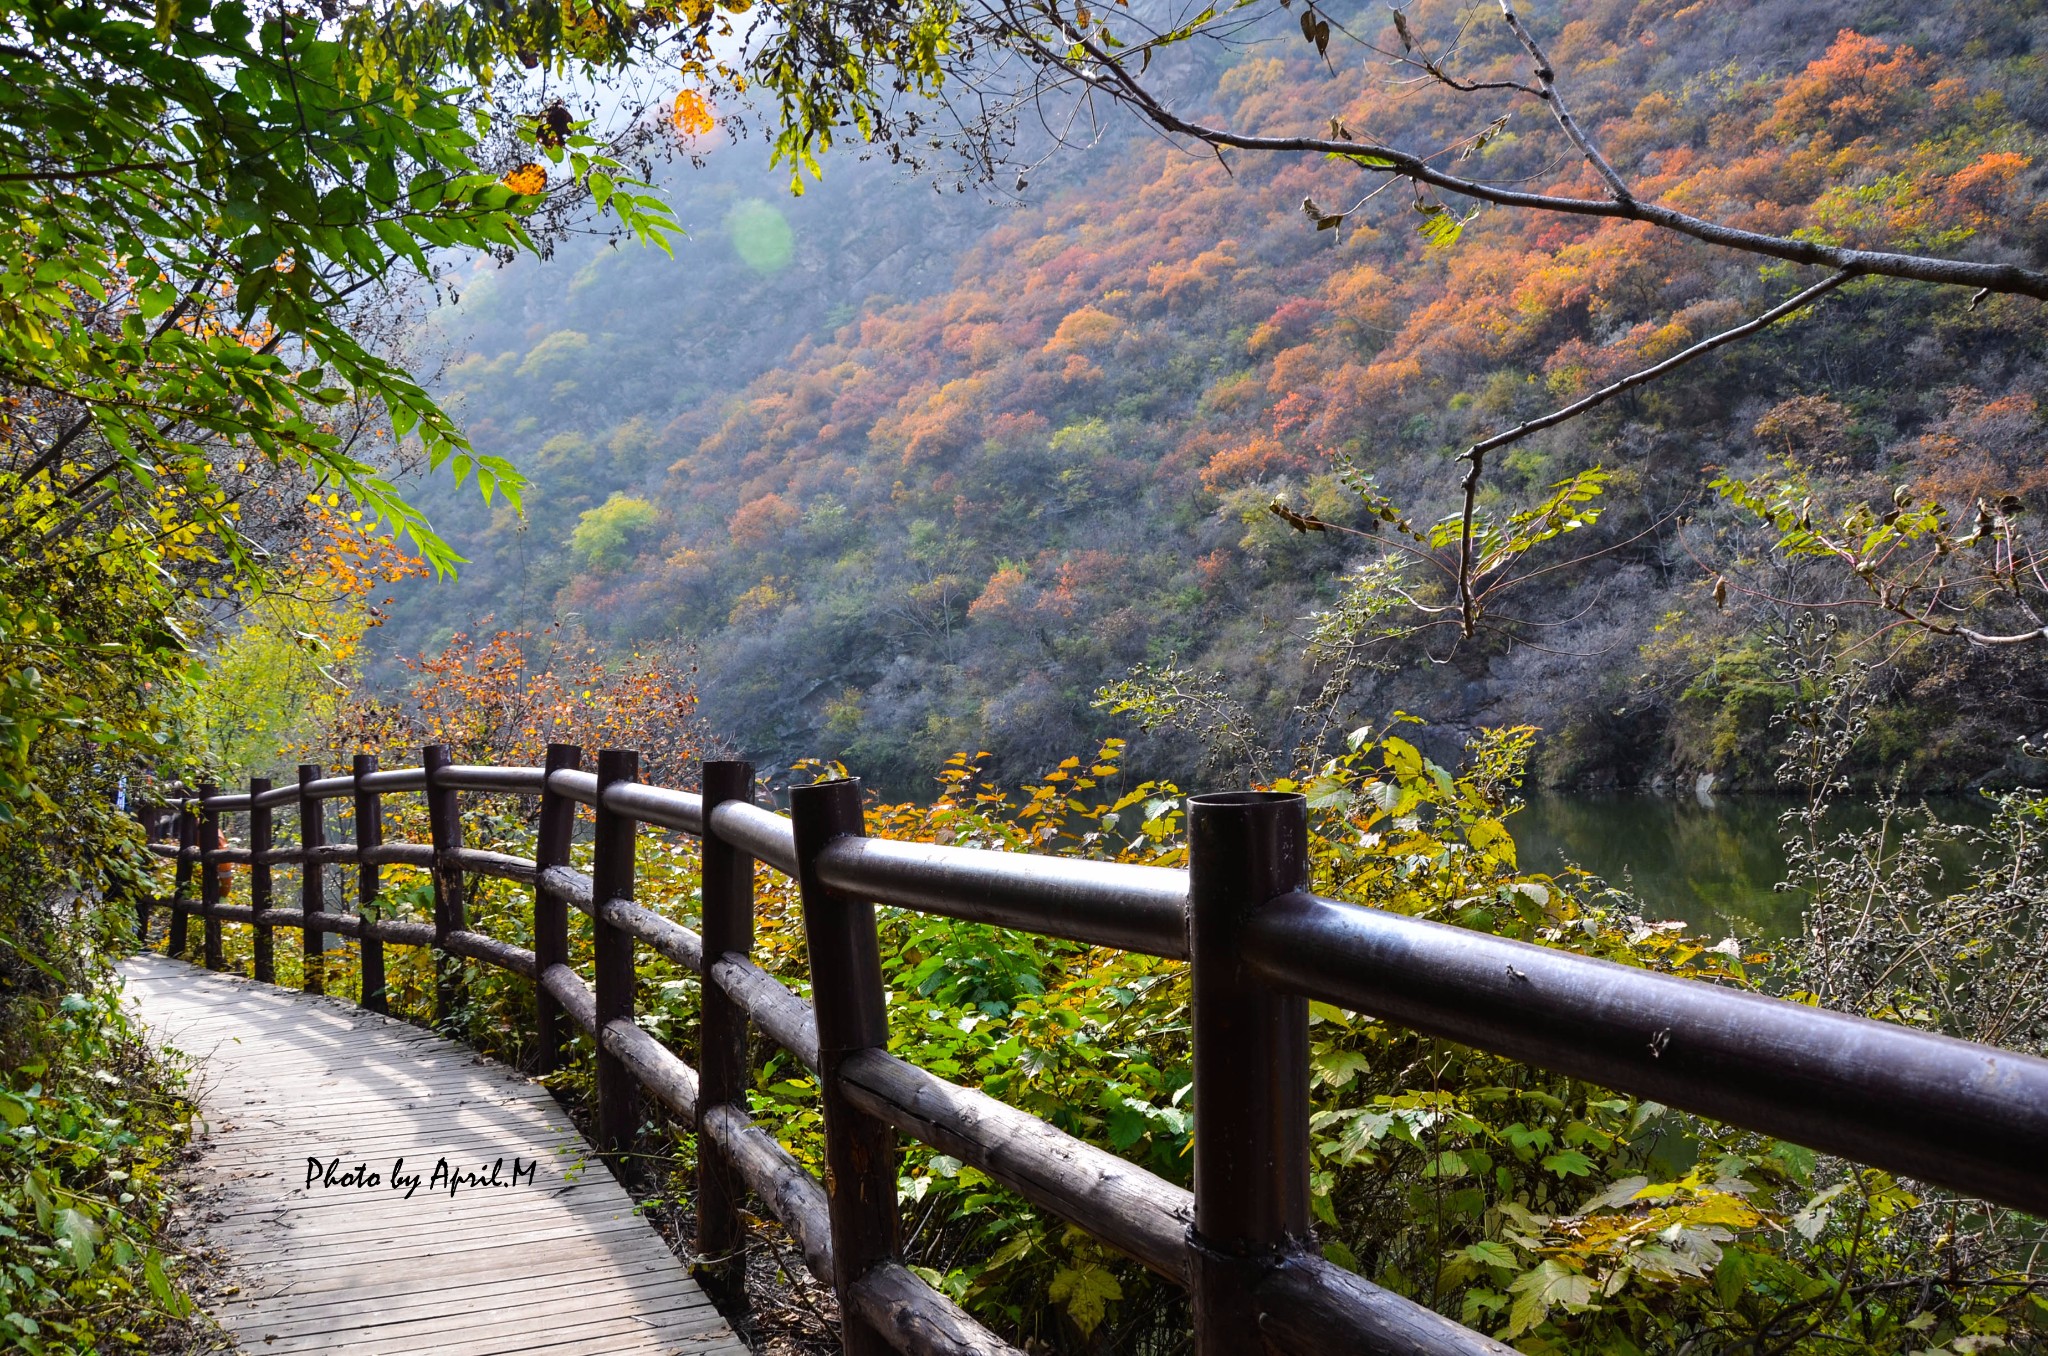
<point>693,116</point>
<point>528,178</point>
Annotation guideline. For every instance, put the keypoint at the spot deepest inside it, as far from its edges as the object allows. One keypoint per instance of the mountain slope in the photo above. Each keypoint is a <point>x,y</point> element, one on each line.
<point>953,467</point>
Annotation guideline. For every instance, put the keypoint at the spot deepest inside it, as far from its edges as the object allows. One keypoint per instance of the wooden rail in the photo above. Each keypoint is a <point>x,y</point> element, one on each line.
<point>1965,1116</point>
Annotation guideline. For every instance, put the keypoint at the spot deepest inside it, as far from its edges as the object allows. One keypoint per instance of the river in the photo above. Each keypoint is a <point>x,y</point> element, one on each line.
<point>1714,864</point>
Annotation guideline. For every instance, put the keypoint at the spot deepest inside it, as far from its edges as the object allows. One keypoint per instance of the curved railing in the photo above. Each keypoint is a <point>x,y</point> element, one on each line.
<point>1965,1116</point>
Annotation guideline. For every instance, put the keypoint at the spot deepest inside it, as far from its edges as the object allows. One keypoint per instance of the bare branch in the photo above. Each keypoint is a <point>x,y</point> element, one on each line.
<point>1379,158</point>
<point>1444,77</point>
<point>1897,599</point>
<point>1656,370</point>
<point>1475,455</point>
<point>1546,79</point>
<point>69,176</point>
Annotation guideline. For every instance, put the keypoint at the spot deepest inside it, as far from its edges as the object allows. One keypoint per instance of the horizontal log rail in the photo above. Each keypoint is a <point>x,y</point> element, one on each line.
<point>1964,1116</point>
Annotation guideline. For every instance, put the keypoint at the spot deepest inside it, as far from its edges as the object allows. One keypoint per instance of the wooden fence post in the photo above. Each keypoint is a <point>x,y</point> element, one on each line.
<point>846,993</point>
<point>557,830</point>
<point>259,879</point>
<point>369,882</point>
<point>1251,1064</point>
<point>181,879</point>
<point>152,825</point>
<point>723,1072</point>
<point>209,872</point>
<point>312,882</point>
<point>444,825</point>
<point>612,877</point>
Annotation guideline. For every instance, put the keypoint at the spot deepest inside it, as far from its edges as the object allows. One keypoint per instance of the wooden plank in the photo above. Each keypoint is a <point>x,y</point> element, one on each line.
<point>406,1291</point>
<point>370,1216</point>
<point>658,1328</point>
<point>646,1289</point>
<point>540,1221</point>
<point>304,1273</point>
<point>368,1125</point>
<point>559,1262</point>
<point>304,1268</point>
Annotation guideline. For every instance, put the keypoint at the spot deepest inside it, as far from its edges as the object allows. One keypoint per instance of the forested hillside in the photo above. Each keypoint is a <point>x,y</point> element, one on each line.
<point>915,472</point>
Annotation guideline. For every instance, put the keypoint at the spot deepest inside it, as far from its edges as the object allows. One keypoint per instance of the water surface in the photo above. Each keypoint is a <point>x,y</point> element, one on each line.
<point>1714,863</point>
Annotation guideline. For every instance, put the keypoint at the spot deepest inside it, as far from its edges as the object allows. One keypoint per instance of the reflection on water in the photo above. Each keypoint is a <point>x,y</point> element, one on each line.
<point>1715,864</point>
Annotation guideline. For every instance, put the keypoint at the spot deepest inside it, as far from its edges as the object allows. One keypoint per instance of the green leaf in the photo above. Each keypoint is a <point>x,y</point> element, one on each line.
<point>78,1236</point>
<point>37,1188</point>
<point>1319,1011</point>
<point>1547,1286</point>
<point>1440,227</point>
<point>1569,1163</point>
<point>1335,1068</point>
<point>1086,1290</point>
<point>1491,837</point>
<point>1403,759</point>
<point>160,1285</point>
<point>1490,1254</point>
<point>1325,793</point>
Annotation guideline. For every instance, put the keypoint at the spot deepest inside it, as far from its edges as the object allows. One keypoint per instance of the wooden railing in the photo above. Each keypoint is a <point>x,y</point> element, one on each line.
<point>1964,1116</point>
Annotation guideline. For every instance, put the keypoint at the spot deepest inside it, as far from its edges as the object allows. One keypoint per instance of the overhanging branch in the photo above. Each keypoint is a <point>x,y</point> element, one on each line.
<point>1378,158</point>
<point>1475,455</point>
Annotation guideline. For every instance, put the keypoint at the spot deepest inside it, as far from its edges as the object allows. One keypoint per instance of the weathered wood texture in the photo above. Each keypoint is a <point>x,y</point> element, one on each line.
<point>550,914</point>
<point>312,881</point>
<point>209,874</point>
<point>723,1069</point>
<point>369,880</point>
<point>444,822</point>
<point>611,878</point>
<point>259,877</point>
<point>561,1265</point>
<point>852,1017</point>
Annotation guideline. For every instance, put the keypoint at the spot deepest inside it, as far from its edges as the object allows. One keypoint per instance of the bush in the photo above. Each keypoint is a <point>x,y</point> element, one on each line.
<point>93,1120</point>
<point>606,536</point>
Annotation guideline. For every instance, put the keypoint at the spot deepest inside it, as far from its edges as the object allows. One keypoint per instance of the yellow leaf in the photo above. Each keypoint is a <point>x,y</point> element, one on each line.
<point>528,178</point>
<point>693,116</point>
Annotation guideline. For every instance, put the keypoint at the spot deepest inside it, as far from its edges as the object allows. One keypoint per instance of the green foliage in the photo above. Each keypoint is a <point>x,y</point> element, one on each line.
<point>263,687</point>
<point>1902,558</point>
<point>554,354</point>
<point>82,644</point>
<point>832,66</point>
<point>280,677</point>
<point>195,206</point>
<point>605,535</point>
<point>91,1121</point>
<point>1569,507</point>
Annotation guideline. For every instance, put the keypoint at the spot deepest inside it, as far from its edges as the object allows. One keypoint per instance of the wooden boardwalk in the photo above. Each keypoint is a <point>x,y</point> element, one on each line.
<point>554,1261</point>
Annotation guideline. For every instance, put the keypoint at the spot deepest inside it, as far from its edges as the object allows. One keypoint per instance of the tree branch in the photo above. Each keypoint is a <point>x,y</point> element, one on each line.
<point>1475,455</point>
<point>73,176</point>
<point>1676,360</point>
<point>1383,159</point>
<point>1546,79</point>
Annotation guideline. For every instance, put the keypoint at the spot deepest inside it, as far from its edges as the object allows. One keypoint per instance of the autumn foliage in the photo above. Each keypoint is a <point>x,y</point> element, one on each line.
<point>504,698</point>
<point>1137,362</point>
